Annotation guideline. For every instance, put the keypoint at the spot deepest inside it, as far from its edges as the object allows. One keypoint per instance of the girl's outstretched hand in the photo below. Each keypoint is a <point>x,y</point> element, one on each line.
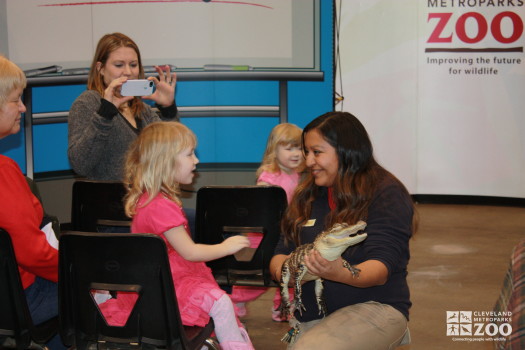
<point>235,243</point>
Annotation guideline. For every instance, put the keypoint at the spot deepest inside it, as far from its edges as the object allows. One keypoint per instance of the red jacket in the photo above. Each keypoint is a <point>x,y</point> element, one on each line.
<point>20,215</point>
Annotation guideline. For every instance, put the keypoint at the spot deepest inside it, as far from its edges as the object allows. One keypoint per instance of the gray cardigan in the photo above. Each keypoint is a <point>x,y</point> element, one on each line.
<point>99,136</point>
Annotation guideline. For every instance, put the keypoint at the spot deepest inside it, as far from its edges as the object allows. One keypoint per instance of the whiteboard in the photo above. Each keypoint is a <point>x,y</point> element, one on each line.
<point>264,34</point>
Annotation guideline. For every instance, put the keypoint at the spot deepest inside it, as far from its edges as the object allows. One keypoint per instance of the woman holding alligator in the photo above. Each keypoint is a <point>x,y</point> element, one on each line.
<point>345,184</point>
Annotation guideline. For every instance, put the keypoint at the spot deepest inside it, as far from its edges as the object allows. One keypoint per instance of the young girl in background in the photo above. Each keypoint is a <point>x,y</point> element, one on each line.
<point>283,159</point>
<point>159,160</point>
<point>282,164</point>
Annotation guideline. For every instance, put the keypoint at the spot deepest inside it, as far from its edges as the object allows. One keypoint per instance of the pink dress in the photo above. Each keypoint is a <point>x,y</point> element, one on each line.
<point>195,285</point>
<point>287,181</point>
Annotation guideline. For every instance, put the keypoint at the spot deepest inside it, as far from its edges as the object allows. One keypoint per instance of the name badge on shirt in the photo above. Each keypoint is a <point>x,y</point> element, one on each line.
<point>309,223</point>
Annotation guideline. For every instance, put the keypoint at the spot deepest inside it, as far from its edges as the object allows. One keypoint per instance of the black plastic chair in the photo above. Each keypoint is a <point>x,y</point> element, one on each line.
<point>98,206</point>
<point>126,263</point>
<point>229,210</point>
<point>47,217</point>
<point>16,326</point>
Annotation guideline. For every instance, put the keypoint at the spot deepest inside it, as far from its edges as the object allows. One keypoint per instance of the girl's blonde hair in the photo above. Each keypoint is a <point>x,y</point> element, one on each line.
<point>151,162</point>
<point>11,78</point>
<point>282,135</point>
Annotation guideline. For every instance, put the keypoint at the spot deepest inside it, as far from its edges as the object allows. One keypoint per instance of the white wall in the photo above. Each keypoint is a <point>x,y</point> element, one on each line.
<point>187,34</point>
<point>440,132</point>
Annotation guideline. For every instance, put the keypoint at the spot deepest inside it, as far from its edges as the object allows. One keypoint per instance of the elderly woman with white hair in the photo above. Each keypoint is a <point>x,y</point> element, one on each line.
<point>21,213</point>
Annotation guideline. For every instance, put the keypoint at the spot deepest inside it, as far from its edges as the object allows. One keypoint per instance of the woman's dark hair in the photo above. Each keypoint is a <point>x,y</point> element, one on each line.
<point>348,136</point>
<point>358,174</point>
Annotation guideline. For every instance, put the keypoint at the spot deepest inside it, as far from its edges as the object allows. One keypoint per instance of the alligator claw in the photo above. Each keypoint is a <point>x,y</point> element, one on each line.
<point>354,270</point>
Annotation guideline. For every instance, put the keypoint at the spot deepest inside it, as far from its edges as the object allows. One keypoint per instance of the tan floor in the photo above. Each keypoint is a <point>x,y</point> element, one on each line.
<point>459,258</point>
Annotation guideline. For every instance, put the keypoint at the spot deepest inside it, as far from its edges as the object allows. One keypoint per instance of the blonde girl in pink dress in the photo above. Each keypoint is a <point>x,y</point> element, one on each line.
<point>159,160</point>
<point>282,164</point>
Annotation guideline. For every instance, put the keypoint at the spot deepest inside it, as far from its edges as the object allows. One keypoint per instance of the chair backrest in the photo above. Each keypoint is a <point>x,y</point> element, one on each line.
<point>117,262</point>
<point>47,217</point>
<point>96,204</point>
<point>15,321</point>
<point>250,210</point>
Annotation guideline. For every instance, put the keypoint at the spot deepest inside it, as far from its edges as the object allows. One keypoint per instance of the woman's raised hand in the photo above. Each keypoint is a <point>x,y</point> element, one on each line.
<point>164,94</point>
<point>112,92</point>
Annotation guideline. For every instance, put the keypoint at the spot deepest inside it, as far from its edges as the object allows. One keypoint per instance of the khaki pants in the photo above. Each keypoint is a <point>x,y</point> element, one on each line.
<point>366,326</point>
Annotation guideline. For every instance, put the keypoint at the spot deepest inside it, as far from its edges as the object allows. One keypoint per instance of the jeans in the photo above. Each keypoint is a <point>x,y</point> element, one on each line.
<point>42,300</point>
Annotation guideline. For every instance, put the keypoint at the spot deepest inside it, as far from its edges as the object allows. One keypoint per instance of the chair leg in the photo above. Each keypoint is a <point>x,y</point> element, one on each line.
<point>212,344</point>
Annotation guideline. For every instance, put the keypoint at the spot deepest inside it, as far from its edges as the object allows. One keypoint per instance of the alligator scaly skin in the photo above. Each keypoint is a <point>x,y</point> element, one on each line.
<point>330,244</point>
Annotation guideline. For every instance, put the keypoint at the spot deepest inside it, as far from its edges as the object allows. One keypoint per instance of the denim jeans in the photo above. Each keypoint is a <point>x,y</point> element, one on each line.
<point>42,300</point>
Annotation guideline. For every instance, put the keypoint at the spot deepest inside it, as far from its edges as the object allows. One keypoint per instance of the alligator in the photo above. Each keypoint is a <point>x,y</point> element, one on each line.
<point>330,244</point>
